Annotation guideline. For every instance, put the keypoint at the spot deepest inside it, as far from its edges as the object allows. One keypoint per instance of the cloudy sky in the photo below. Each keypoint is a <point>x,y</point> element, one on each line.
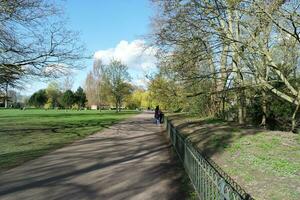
<point>111,29</point>
<point>135,54</point>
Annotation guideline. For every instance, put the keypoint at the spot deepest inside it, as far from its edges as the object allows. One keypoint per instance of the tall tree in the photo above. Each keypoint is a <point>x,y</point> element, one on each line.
<point>80,97</point>
<point>67,83</point>
<point>95,85</point>
<point>35,41</point>
<point>89,88</point>
<point>53,93</point>
<point>118,78</point>
<point>38,99</point>
<point>233,46</point>
<point>68,99</point>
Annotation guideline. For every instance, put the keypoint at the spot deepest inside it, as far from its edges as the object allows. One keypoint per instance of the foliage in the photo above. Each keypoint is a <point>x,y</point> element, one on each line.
<point>52,97</point>
<point>172,94</point>
<point>139,98</point>
<point>38,99</point>
<point>80,97</point>
<point>117,79</point>
<point>68,99</point>
<point>53,94</point>
<point>166,93</point>
<point>277,115</point>
<point>226,52</point>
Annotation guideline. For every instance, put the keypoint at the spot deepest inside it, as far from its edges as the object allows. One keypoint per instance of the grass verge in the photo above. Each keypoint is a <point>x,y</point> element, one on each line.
<point>265,163</point>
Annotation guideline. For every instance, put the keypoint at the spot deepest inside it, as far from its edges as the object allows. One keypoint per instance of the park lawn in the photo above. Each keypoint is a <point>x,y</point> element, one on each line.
<point>28,134</point>
<point>264,163</point>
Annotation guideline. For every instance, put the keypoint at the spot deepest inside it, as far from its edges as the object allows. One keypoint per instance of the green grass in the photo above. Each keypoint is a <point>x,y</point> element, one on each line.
<point>265,163</point>
<point>25,135</point>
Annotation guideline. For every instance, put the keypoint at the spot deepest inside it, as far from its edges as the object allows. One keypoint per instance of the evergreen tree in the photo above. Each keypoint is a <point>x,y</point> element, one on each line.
<point>38,99</point>
<point>68,99</point>
<point>80,97</point>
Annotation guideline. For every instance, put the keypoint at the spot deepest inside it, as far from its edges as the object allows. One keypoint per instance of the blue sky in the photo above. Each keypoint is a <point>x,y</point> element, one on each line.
<point>103,23</point>
<point>111,27</point>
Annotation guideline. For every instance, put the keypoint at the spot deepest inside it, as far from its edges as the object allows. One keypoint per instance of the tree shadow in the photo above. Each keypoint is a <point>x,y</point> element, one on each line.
<point>64,114</point>
<point>212,136</point>
<point>127,161</point>
<point>60,126</point>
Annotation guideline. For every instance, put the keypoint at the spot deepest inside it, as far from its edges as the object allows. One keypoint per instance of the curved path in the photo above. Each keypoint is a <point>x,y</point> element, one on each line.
<point>129,160</point>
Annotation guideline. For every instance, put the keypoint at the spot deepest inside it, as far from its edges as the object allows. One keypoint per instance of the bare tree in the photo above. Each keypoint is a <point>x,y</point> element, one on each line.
<point>35,42</point>
<point>89,88</point>
<point>67,83</point>
<point>95,85</point>
<point>237,46</point>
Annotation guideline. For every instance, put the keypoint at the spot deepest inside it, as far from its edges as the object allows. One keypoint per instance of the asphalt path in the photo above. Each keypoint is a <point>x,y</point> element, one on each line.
<point>129,160</point>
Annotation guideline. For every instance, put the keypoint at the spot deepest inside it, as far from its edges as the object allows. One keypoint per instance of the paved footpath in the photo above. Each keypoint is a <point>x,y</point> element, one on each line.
<point>129,160</point>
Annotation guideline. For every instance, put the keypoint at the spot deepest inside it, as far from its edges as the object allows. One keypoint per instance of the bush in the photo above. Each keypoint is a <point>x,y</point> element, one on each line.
<point>18,105</point>
<point>132,106</point>
<point>278,116</point>
<point>75,107</point>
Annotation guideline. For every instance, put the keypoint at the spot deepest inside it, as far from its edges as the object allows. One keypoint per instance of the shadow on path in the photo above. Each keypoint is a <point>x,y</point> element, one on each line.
<point>129,160</point>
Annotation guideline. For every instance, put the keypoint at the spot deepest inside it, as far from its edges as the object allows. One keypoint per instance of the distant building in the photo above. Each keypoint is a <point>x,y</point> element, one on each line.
<point>94,107</point>
<point>102,107</point>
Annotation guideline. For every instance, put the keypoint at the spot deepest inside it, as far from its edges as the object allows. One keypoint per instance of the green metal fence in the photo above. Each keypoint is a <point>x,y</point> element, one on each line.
<point>209,181</point>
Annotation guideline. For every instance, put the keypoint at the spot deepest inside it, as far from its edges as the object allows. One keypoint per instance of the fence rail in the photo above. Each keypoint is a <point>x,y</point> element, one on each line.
<point>209,181</point>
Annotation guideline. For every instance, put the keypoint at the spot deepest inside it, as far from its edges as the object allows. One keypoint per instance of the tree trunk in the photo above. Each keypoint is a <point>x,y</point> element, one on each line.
<point>294,119</point>
<point>120,105</point>
<point>264,109</point>
<point>223,106</point>
<point>265,73</point>
<point>244,106</point>
<point>240,112</point>
<point>241,104</point>
<point>236,64</point>
<point>6,96</point>
<point>224,78</point>
<point>240,95</point>
<point>214,97</point>
<point>117,109</point>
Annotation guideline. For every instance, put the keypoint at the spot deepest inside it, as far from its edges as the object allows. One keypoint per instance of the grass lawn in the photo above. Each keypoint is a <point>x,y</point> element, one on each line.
<point>265,163</point>
<point>27,134</point>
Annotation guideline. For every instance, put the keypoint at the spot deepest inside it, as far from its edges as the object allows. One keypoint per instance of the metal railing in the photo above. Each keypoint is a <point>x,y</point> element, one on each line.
<point>209,181</point>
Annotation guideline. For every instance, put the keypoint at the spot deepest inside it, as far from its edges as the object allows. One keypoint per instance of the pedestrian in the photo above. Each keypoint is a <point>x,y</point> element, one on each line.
<point>161,117</point>
<point>157,115</point>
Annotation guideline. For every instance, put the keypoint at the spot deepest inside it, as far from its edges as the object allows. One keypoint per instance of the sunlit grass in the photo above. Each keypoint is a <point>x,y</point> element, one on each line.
<point>265,163</point>
<point>25,135</point>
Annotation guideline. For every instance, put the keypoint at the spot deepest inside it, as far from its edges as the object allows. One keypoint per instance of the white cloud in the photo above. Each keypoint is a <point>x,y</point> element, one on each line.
<point>134,54</point>
<point>141,82</point>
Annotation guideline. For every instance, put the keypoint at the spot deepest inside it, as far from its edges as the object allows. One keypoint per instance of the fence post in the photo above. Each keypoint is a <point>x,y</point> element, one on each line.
<point>221,189</point>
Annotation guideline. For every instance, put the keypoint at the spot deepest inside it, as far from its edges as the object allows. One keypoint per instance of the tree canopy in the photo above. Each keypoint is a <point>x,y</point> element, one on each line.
<point>38,99</point>
<point>35,42</point>
<point>118,78</point>
<point>80,97</point>
<point>68,99</point>
<point>226,56</point>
